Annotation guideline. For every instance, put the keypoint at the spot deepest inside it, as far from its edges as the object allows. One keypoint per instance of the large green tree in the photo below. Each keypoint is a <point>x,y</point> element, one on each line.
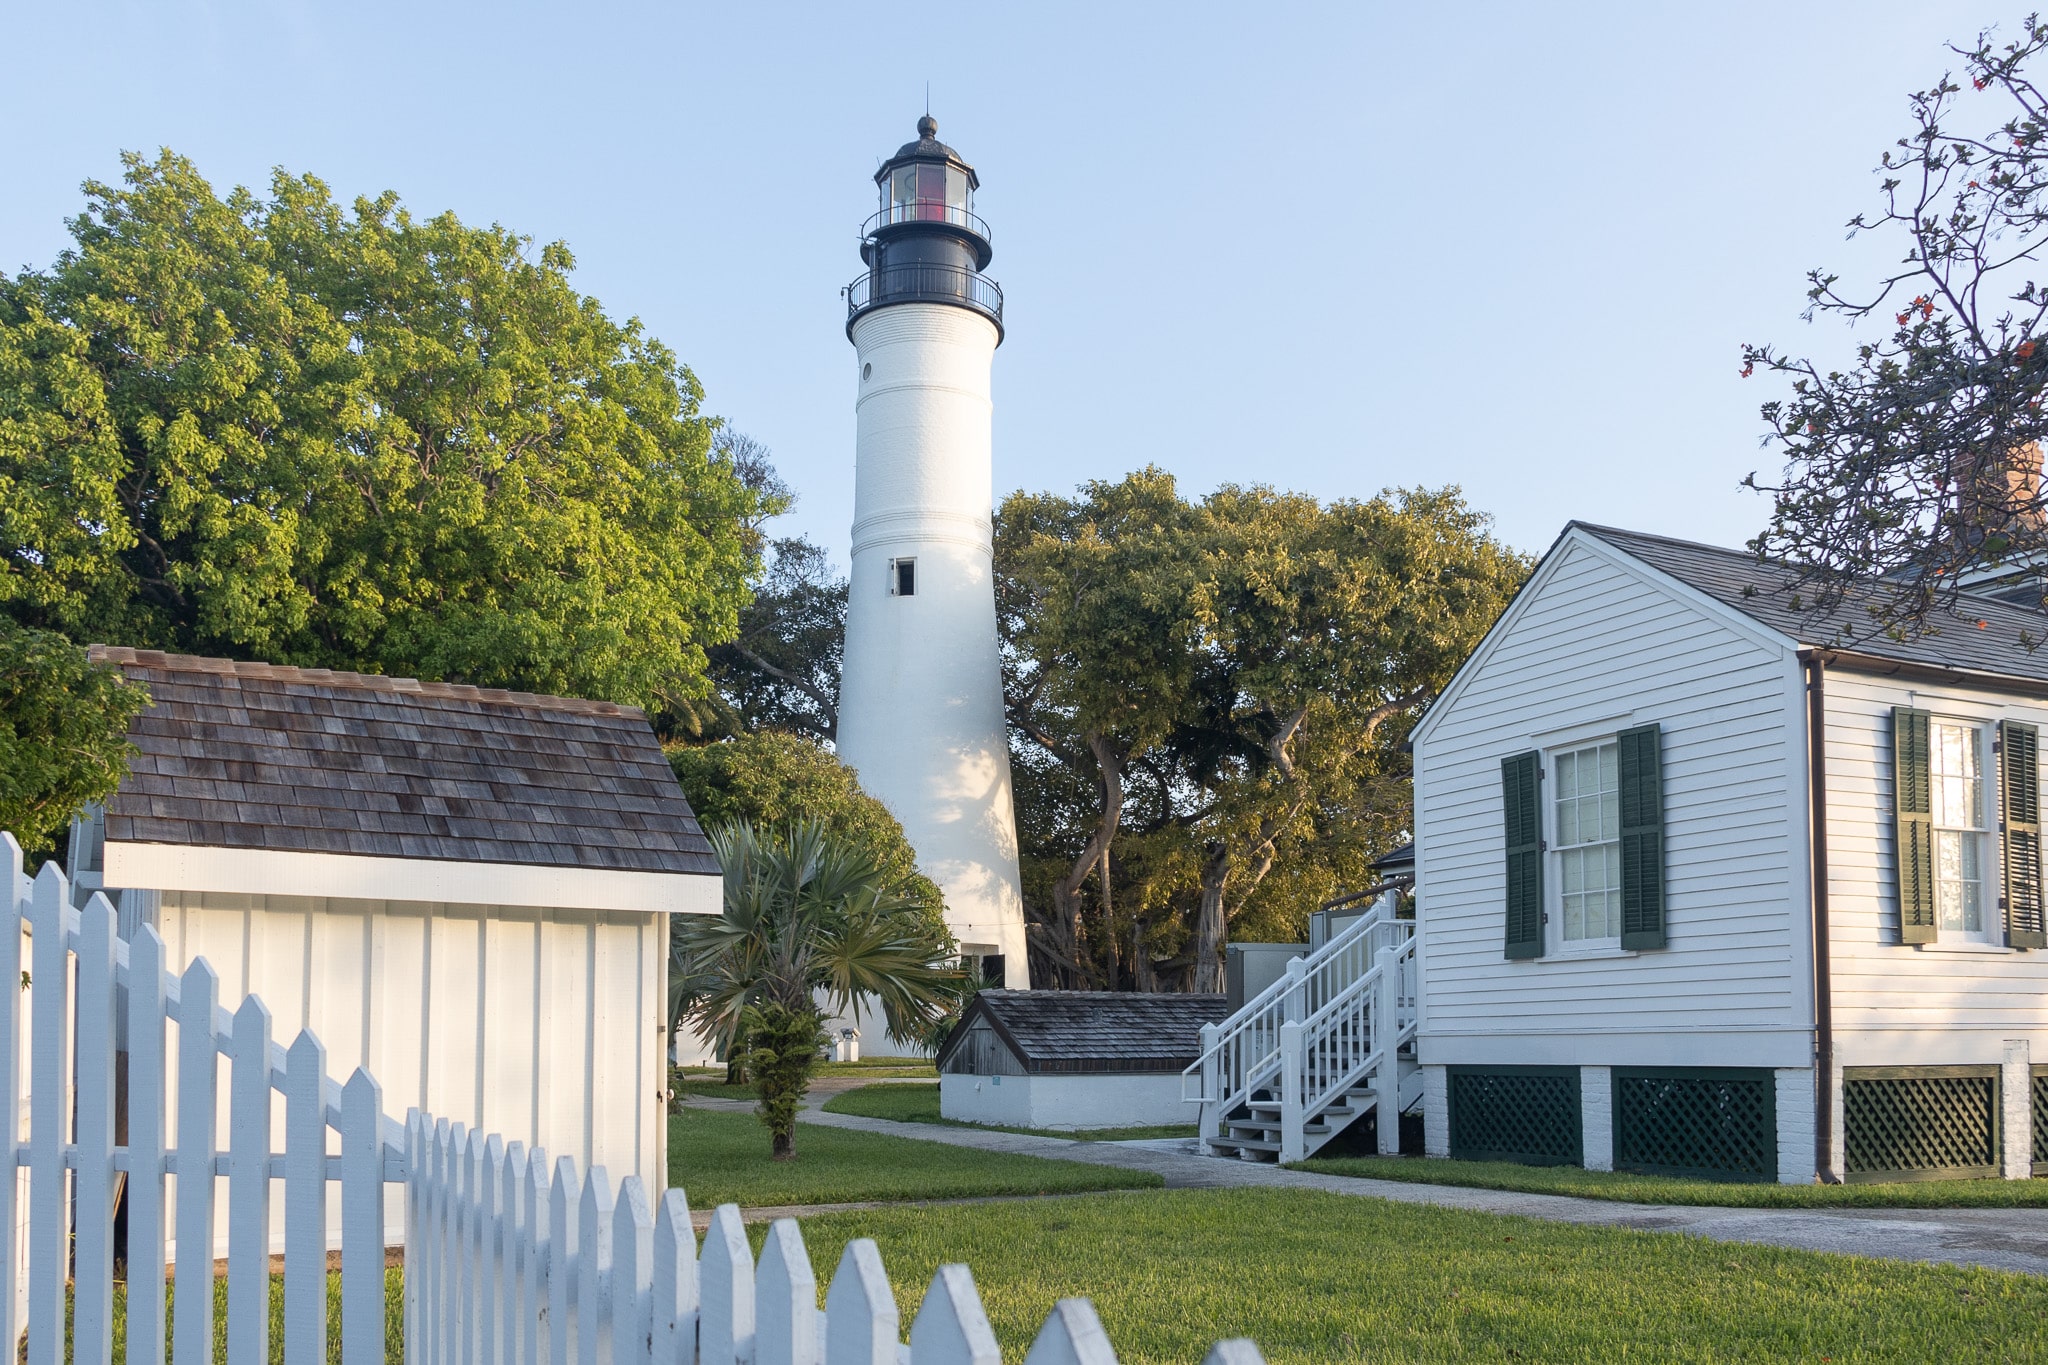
<point>1209,699</point>
<point>278,427</point>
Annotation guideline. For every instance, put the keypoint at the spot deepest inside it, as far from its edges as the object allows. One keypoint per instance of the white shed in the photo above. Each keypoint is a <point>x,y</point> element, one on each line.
<point>1073,1059</point>
<point>464,890</point>
<point>1664,922</point>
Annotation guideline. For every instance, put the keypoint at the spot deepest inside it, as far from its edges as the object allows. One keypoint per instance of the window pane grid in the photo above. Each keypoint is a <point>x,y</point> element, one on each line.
<point>1959,827</point>
<point>1588,810</point>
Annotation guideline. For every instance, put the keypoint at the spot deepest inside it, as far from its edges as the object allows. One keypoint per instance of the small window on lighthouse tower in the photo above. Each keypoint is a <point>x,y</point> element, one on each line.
<point>903,578</point>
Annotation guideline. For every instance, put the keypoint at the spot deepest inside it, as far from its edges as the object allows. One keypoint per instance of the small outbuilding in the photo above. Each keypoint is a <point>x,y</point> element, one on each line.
<point>463,890</point>
<point>1073,1059</point>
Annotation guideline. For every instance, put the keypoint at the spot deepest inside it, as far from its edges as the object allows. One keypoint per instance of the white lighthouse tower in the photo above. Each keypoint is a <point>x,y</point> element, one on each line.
<point>921,706</point>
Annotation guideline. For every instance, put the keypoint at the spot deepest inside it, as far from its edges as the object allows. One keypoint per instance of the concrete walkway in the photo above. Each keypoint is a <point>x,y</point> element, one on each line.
<point>2000,1239</point>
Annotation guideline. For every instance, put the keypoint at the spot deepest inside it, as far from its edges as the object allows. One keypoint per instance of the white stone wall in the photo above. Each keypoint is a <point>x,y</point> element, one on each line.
<point>1795,1102</point>
<point>1596,1117</point>
<point>920,711</point>
<point>1436,1111</point>
<point>1067,1102</point>
<point>2016,1095</point>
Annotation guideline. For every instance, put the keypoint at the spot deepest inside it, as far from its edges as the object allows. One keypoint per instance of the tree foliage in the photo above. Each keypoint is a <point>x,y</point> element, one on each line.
<point>346,437</point>
<point>772,780</point>
<point>1919,462</point>
<point>63,733</point>
<point>806,915</point>
<point>782,670</point>
<point>1205,691</point>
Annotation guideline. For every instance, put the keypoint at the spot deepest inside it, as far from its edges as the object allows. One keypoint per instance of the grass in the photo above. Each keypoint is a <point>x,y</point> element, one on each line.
<point>1663,1189</point>
<point>709,1081</point>
<point>722,1158</point>
<point>394,1317</point>
<point>920,1104</point>
<point>1322,1277</point>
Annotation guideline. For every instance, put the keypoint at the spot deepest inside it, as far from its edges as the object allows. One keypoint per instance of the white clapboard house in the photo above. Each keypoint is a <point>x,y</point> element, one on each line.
<point>464,891</point>
<point>1710,882</point>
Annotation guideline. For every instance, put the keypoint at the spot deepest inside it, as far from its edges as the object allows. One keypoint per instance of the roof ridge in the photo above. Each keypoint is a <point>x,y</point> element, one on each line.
<point>368,682</point>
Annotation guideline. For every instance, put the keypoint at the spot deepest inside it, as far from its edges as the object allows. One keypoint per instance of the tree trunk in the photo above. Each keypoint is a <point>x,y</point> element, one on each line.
<point>1210,932</point>
<point>783,1146</point>
<point>1066,893</point>
<point>1143,978</point>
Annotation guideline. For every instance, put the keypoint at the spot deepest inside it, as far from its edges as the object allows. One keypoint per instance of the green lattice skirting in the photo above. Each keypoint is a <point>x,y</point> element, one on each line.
<point>1519,1113</point>
<point>1920,1122</point>
<point>1716,1122</point>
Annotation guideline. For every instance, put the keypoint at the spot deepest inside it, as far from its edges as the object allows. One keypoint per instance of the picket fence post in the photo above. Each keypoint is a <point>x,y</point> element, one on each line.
<point>305,1200</point>
<point>786,1302</point>
<point>562,1254</point>
<point>725,1321</point>
<point>950,1327</point>
<point>198,1092</point>
<point>93,1244</point>
<point>673,1315</point>
<point>362,1221</point>
<point>148,1005</point>
<point>593,1264</point>
<point>861,1325</point>
<point>49,1206</point>
<point>1072,1335</point>
<point>632,1271</point>
<point>10,1097</point>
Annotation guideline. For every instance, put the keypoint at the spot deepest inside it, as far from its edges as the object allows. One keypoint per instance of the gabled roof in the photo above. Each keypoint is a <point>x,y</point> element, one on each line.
<point>1764,591</point>
<point>1093,1031</point>
<point>305,760</point>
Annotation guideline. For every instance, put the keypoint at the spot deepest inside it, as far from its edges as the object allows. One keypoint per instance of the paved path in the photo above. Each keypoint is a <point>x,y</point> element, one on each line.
<point>2001,1239</point>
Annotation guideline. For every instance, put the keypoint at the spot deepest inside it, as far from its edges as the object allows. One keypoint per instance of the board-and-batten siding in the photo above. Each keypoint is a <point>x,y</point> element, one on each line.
<point>1897,1004</point>
<point>1597,646</point>
<point>569,1060</point>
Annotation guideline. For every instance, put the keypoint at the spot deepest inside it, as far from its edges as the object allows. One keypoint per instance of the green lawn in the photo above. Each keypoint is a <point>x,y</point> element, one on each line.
<point>722,1158</point>
<point>394,1318</point>
<point>1319,1277</point>
<point>920,1104</point>
<point>1663,1189</point>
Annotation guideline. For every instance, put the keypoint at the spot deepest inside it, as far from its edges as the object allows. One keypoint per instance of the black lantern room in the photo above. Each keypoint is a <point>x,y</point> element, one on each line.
<point>925,244</point>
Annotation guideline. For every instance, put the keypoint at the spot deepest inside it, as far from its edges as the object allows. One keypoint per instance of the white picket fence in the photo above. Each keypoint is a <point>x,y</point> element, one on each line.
<point>508,1258</point>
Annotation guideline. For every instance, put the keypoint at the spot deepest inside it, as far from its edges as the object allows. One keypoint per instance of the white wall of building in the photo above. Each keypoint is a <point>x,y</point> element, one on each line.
<point>1067,1101</point>
<point>1595,644</point>
<point>1900,1004</point>
<point>541,1025</point>
<point>920,711</point>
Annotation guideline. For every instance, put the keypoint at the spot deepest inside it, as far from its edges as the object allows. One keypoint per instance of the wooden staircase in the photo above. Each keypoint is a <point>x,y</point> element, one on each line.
<point>1327,1044</point>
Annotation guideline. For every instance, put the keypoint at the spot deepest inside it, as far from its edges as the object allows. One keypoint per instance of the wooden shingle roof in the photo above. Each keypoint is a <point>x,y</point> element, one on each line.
<point>258,756</point>
<point>1094,1031</point>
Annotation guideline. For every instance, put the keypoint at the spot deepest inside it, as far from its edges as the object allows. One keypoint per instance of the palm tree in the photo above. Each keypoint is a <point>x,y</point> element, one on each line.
<point>808,917</point>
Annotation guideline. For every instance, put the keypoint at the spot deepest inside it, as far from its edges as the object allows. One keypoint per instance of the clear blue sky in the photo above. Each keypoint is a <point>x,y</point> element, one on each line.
<point>1512,247</point>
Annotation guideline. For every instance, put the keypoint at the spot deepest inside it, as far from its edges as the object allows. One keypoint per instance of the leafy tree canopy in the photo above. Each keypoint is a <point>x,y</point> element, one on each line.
<point>1919,461</point>
<point>773,780</point>
<point>281,428</point>
<point>782,672</point>
<point>63,733</point>
<point>1205,691</point>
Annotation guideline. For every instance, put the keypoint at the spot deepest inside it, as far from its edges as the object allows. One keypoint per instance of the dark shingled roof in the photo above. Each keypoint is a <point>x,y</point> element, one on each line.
<point>1763,592</point>
<point>1095,1030</point>
<point>252,755</point>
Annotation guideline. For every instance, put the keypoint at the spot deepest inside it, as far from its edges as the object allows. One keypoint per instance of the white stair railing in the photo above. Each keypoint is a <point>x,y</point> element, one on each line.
<point>1357,1035</point>
<point>1241,1055</point>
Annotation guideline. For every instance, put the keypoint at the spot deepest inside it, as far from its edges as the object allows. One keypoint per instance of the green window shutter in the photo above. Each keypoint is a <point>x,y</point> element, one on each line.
<point>2019,770</point>
<point>1913,808</point>
<point>1641,770</point>
<point>1522,809</point>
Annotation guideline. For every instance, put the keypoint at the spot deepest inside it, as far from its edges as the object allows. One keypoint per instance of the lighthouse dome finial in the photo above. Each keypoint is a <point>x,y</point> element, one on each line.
<point>927,126</point>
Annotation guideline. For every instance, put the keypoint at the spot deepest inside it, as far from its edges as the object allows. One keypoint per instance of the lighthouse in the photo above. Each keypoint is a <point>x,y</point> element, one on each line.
<point>921,698</point>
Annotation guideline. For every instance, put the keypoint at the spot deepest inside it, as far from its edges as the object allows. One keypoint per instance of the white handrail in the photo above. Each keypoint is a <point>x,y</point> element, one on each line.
<point>1243,1052</point>
<point>1349,1038</point>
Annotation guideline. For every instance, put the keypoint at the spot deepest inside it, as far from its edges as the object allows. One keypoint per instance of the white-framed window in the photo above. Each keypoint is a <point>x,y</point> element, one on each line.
<point>1585,822</point>
<point>903,577</point>
<point>1965,872</point>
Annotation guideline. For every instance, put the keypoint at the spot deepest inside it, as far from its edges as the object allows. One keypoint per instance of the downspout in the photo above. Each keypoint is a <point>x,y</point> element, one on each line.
<point>1817,862</point>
